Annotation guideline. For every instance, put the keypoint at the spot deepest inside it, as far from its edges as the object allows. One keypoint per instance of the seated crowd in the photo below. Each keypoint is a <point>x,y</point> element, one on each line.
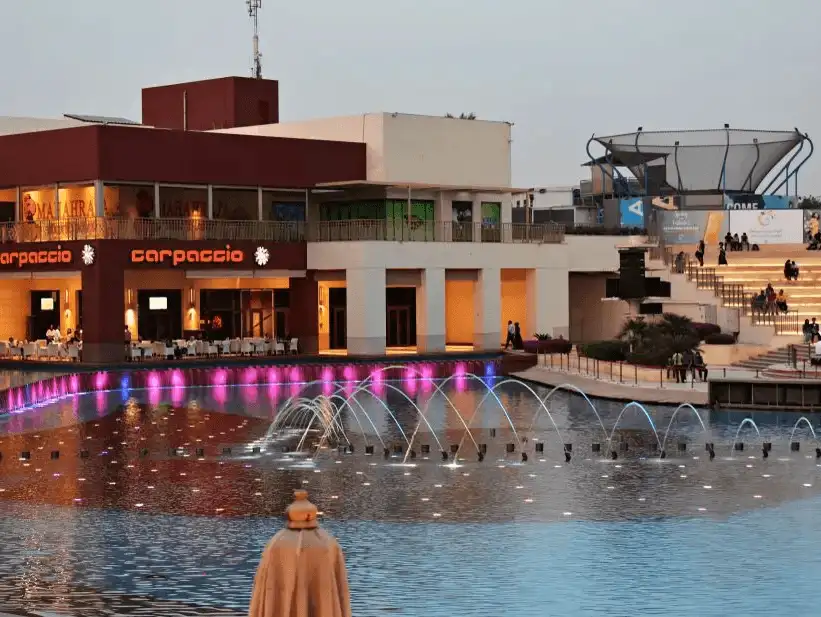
<point>768,302</point>
<point>54,347</point>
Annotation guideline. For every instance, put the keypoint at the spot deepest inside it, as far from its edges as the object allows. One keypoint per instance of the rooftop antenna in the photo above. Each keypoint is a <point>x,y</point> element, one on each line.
<point>253,10</point>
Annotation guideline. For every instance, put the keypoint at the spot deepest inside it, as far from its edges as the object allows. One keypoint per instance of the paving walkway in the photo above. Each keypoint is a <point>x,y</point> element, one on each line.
<point>665,393</point>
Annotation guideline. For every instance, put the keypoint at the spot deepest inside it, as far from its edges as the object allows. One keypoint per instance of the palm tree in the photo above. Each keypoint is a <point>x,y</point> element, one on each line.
<point>634,331</point>
<point>679,331</point>
<point>462,116</point>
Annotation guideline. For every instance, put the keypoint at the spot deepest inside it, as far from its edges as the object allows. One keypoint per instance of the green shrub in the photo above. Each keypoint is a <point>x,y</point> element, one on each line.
<point>720,339</point>
<point>611,351</point>
<point>703,330</point>
<point>542,336</point>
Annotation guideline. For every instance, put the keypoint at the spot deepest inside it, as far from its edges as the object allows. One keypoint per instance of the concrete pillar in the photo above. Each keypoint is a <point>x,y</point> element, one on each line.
<point>303,316</point>
<point>487,302</point>
<point>99,198</point>
<point>57,201</point>
<point>430,311</point>
<point>157,200</point>
<point>366,311</point>
<point>103,309</point>
<point>259,203</point>
<point>548,302</point>
<point>477,218</point>
<point>507,217</point>
<point>210,202</point>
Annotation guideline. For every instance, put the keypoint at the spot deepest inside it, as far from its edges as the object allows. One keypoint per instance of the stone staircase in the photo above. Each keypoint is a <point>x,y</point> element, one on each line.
<point>776,356</point>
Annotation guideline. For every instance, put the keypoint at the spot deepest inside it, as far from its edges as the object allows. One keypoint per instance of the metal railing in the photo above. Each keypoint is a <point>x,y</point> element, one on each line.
<point>100,228</point>
<point>395,230</point>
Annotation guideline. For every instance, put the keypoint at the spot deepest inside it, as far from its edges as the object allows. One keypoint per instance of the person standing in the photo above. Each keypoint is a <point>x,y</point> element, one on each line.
<point>722,254</point>
<point>700,252</point>
<point>511,331</point>
<point>518,343</point>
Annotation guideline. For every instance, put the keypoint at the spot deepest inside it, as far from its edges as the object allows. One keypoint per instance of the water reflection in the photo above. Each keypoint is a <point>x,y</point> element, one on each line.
<point>146,503</point>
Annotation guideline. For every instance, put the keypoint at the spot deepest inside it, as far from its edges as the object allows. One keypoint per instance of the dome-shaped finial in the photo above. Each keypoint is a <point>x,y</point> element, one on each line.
<point>302,513</point>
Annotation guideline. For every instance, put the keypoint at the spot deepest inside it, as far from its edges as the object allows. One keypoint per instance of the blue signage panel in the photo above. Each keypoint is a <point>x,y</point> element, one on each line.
<point>751,201</point>
<point>631,212</point>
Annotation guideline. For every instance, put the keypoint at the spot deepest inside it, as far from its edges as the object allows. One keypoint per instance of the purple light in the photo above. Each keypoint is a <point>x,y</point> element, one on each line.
<point>219,377</point>
<point>349,373</point>
<point>177,395</point>
<point>221,393</point>
<point>296,375</point>
<point>327,374</point>
<point>273,375</point>
<point>74,384</point>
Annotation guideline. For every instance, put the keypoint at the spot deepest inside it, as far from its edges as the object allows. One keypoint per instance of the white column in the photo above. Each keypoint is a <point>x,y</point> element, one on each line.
<point>156,200</point>
<point>477,218</point>
<point>99,199</point>
<point>507,217</point>
<point>366,311</point>
<point>487,302</point>
<point>18,200</point>
<point>259,203</point>
<point>57,200</point>
<point>548,302</point>
<point>430,311</point>
<point>443,217</point>
<point>210,202</point>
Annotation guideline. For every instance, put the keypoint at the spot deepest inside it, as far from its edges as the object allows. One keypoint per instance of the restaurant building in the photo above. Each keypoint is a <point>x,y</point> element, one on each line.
<point>211,218</point>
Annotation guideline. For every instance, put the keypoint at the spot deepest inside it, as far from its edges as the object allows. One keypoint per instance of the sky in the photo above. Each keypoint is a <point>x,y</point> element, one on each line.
<point>560,70</point>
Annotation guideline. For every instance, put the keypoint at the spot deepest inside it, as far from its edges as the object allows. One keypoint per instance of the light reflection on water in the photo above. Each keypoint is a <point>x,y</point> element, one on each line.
<point>479,539</point>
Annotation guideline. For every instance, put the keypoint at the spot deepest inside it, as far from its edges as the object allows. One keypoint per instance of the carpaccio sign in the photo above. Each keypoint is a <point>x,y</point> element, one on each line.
<point>21,259</point>
<point>281,380</point>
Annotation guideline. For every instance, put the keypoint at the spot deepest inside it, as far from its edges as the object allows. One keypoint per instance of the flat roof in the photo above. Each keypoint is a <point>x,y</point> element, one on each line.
<point>419,186</point>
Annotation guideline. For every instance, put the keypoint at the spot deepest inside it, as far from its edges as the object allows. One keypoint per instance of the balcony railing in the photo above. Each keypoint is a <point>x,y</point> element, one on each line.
<point>393,230</point>
<point>65,230</point>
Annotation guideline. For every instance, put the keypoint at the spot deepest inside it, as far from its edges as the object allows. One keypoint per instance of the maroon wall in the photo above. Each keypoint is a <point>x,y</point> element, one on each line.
<point>46,157</point>
<point>136,154</point>
<point>303,319</point>
<point>212,104</point>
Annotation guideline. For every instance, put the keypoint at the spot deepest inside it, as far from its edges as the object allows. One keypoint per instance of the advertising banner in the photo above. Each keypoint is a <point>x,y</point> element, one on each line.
<point>631,212</point>
<point>751,201</point>
<point>769,226</point>
<point>690,227</point>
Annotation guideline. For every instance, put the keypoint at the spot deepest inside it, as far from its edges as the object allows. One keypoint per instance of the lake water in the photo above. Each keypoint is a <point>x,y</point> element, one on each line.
<point>137,527</point>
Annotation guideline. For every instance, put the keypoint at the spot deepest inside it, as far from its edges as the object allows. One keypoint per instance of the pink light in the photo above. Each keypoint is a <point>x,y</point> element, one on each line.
<point>461,370</point>
<point>154,381</point>
<point>327,374</point>
<point>249,376</point>
<point>177,379</point>
<point>273,376</point>
<point>221,393</point>
<point>100,381</point>
<point>250,394</point>
<point>296,374</point>
<point>219,378</point>
<point>74,384</point>
<point>349,373</point>
<point>177,395</point>
<point>273,390</point>
<point>411,383</point>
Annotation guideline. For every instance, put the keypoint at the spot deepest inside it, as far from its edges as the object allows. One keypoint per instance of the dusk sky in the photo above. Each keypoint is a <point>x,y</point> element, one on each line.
<point>559,69</point>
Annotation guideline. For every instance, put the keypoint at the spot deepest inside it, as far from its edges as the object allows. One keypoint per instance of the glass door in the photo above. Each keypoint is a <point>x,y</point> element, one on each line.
<point>398,326</point>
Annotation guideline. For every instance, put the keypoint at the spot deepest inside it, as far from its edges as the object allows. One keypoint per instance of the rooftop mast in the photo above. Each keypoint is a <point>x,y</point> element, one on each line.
<point>253,10</point>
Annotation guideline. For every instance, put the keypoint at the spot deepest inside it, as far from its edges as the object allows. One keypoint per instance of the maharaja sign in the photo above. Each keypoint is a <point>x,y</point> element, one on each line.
<point>22,259</point>
<point>178,257</point>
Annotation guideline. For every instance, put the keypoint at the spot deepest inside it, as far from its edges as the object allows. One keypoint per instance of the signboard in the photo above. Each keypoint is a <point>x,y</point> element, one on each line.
<point>179,257</point>
<point>751,201</point>
<point>631,212</point>
<point>769,226</point>
<point>692,226</point>
<point>22,259</point>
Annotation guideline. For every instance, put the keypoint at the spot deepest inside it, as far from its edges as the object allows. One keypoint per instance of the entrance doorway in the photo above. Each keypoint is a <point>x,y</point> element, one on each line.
<point>44,313</point>
<point>398,327</point>
<point>159,314</point>
<point>400,317</point>
<point>338,322</point>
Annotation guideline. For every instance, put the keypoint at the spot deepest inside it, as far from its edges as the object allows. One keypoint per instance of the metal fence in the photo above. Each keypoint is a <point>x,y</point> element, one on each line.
<point>396,230</point>
<point>64,230</point>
